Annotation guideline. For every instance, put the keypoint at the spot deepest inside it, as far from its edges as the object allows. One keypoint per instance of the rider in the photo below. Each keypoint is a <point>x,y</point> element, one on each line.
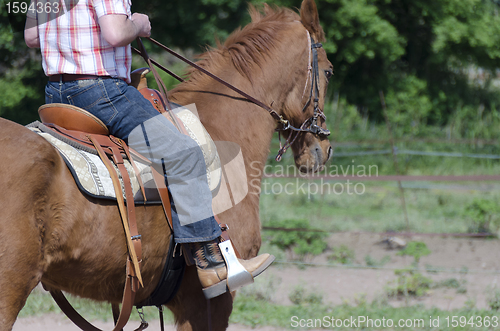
<point>86,54</point>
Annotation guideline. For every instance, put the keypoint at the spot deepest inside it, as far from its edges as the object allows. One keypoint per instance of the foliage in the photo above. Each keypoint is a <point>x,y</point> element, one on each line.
<point>458,285</point>
<point>493,298</point>
<point>372,262</point>
<point>342,255</point>
<point>417,249</point>
<point>40,302</point>
<point>21,75</point>
<point>409,283</point>
<point>435,60</point>
<point>410,106</point>
<point>298,296</point>
<point>263,288</point>
<point>484,215</point>
<point>303,242</point>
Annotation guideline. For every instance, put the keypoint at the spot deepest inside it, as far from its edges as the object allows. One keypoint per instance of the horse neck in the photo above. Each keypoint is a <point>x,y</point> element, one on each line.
<point>279,81</point>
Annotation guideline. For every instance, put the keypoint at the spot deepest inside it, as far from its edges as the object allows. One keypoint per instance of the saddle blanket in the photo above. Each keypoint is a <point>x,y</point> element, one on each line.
<point>93,178</point>
<point>90,173</point>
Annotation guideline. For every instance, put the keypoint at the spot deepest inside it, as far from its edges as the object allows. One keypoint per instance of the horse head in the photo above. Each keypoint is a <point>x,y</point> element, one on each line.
<point>307,133</point>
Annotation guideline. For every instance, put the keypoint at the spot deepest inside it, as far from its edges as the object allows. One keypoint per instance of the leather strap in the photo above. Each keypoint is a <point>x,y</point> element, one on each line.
<point>161,86</point>
<point>133,278</point>
<point>136,170</point>
<point>72,77</point>
<point>121,205</point>
<point>162,89</point>
<point>170,72</point>
<point>82,323</point>
<point>271,111</point>
<point>132,220</point>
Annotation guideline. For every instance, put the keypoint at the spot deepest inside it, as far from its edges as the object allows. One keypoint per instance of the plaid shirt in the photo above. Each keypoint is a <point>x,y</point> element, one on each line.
<point>73,43</point>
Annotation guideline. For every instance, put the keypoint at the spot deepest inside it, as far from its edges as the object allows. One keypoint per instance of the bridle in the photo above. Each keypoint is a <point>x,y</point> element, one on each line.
<point>310,125</point>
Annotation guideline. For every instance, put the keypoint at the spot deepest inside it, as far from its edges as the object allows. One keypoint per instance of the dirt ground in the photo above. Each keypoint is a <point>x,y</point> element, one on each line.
<point>474,262</point>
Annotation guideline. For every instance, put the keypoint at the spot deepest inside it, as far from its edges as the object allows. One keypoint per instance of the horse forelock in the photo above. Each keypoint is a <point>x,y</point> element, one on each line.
<point>249,46</point>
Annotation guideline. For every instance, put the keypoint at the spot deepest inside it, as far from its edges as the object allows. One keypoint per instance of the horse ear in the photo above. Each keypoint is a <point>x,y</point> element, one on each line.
<point>310,19</point>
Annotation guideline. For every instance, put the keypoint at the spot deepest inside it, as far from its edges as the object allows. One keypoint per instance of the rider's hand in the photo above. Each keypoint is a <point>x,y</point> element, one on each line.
<point>142,23</point>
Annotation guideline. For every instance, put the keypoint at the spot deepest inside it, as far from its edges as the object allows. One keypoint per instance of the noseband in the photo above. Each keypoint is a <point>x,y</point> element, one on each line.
<point>310,125</point>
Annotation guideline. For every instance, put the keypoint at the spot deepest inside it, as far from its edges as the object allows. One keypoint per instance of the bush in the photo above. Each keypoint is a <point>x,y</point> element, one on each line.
<point>372,262</point>
<point>459,285</point>
<point>493,298</point>
<point>299,297</point>
<point>484,216</point>
<point>409,283</point>
<point>303,242</point>
<point>417,249</point>
<point>342,255</point>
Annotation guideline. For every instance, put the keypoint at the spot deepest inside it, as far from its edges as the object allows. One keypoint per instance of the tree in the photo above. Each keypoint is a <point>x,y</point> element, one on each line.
<point>419,53</point>
<point>21,75</point>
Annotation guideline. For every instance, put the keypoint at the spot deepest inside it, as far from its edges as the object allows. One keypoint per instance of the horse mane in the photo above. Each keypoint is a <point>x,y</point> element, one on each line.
<point>248,46</point>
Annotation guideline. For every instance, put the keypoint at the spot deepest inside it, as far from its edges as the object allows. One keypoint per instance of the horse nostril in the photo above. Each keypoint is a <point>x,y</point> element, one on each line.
<point>330,153</point>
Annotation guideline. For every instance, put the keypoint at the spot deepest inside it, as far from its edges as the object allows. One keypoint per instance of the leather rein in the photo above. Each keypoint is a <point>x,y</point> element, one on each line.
<point>310,125</point>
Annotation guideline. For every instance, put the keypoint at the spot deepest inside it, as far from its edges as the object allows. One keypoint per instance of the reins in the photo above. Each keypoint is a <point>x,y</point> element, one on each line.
<point>309,125</point>
<point>271,111</point>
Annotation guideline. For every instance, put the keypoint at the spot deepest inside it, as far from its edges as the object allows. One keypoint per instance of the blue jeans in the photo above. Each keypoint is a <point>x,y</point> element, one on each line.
<point>131,117</point>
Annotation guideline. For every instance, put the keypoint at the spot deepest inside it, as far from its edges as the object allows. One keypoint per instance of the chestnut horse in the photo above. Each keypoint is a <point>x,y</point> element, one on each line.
<point>52,233</point>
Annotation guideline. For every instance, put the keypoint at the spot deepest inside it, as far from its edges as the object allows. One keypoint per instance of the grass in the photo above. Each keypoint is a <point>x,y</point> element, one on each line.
<point>375,206</point>
<point>255,310</point>
<point>254,313</point>
<point>40,302</point>
<point>378,209</point>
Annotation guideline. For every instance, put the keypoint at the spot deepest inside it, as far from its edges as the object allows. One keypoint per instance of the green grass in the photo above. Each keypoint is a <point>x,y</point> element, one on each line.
<point>254,313</point>
<point>378,209</point>
<point>432,206</point>
<point>256,310</point>
<point>40,303</point>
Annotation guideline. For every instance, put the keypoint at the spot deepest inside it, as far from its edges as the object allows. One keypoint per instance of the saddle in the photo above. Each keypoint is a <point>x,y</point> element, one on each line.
<point>83,128</point>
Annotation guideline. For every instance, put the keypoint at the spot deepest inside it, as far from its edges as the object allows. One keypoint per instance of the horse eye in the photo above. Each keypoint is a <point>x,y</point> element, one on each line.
<point>328,74</point>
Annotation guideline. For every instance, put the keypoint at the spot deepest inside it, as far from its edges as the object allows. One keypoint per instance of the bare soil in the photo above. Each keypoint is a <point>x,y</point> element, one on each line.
<point>474,262</point>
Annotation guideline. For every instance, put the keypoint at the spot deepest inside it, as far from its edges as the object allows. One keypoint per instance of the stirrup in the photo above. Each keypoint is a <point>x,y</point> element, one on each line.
<point>237,275</point>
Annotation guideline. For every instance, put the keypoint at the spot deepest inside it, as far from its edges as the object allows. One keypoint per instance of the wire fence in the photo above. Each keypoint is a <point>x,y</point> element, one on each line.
<point>439,178</point>
<point>386,234</point>
<point>473,142</point>
<point>429,269</point>
<point>396,151</point>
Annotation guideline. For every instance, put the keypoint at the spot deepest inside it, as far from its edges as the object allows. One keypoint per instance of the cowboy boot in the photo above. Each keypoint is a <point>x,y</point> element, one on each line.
<point>212,270</point>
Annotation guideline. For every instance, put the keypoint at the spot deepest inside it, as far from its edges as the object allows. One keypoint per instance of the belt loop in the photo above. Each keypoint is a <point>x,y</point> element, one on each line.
<point>60,80</point>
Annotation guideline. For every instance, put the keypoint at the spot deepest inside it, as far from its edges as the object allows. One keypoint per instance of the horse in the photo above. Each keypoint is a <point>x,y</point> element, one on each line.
<point>50,232</point>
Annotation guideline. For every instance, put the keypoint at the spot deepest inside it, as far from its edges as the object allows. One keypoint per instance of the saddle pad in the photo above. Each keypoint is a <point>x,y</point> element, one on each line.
<point>90,173</point>
<point>195,129</point>
<point>93,178</point>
